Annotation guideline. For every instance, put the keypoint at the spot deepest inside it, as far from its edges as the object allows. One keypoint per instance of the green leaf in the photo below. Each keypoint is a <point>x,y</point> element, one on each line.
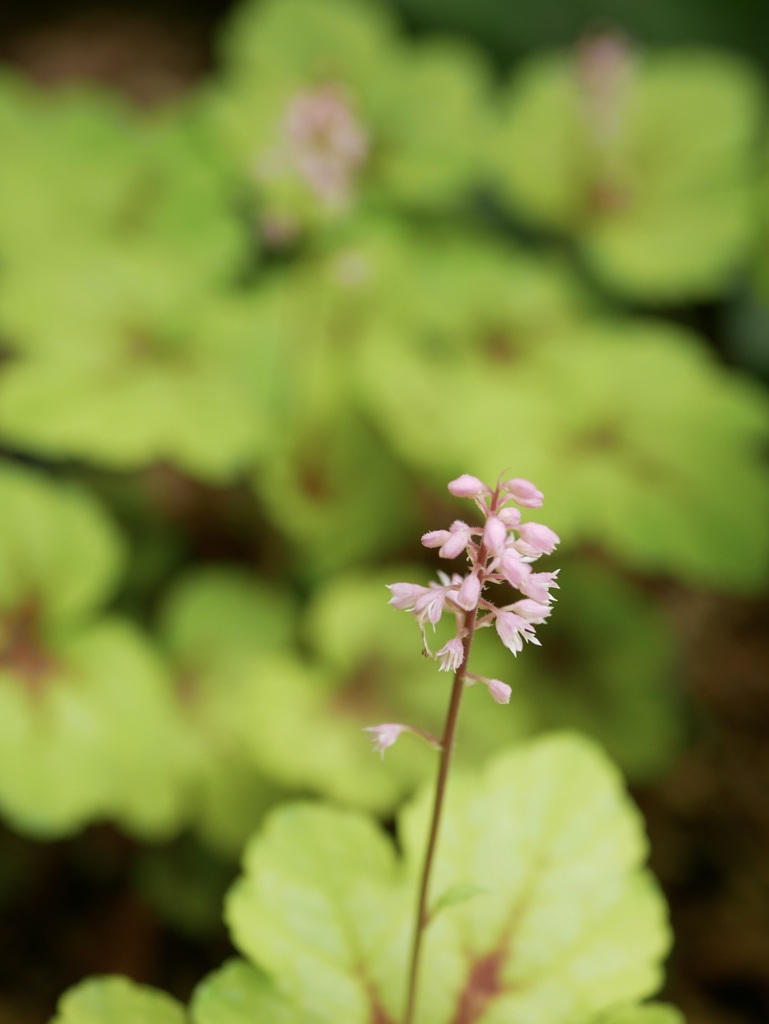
<point>635,423</point>
<point>100,736</point>
<point>315,908</point>
<point>325,465</point>
<point>663,206</point>
<point>58,548</point>
<point>240,994</point>
<point>572,925</point>
<point>651,1013</point>
<point>214,622</point>
<point>281,57</point>
<point>89,726</point>
<point>335,490</point>
<point>216,614</point>
<point>297,731</point>
<point>116,1000</point>
<point>456,894</point>
<point>131,370</point>
<point>144,183</point>
<point>609,666</point>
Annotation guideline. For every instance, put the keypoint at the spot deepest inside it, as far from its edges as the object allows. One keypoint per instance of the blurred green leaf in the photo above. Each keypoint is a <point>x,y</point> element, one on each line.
<point>58,549</point>
<point>325,111</point>
<point>115,1000</point>
<point>88,722</point>
<point>132,368</point>
<point>148,184</point>
<point>213,622</point>
<point>653,1013</point>
<point>662,203</point>
<point>609,666</point>
<point>643,444</point>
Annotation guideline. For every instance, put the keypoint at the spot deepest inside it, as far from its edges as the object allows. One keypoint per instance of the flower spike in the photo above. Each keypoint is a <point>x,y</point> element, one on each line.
<point>501,550</point>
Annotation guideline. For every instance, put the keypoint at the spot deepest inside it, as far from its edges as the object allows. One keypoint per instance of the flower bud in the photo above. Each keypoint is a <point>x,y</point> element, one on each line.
<point>435,538</point>
<point>510,517</point>
<point>468,594</point>
<point>524,493</point>
<point>538,539</point>
<point>494,535</point>
<point>467,486</point>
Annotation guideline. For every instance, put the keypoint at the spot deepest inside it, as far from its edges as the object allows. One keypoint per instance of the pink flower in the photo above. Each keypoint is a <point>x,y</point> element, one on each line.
<point>467,486</point>
<point>499,691</point>
<point>502,550</point>
<point>429,607</point>
<point>537,586</point>
<point>452,654</point>
<point>536,539</point>
<point>385,735</point>
<point>452,542</point>
<point>513,568</point>
<point>494,535</point>
<point>327,145</point>
<point>524,493</point>
<point>425,602</point>
<point>405,595</point>
<point>460,535</point>
<point>532,611</point>
<point>469,592</point>
<point>513,630</point>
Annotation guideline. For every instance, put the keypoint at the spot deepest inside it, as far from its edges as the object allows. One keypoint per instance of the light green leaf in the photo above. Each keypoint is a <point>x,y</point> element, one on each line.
<point>217,614</point>
<point>240,994</point>
<point>456,894</point>
<point>99,737</point>
<point>315,908</point>
<point>142,366</point>
<point>634,425</point>
<point>116,1000</point>
<point>213,623</point>
<point>571,925</point>
<point>344,57</point>
<point>662,204</point>
<point>609,666</point>
<point>144,183</point>
<point>58,549</point>
<point>651,1013</point>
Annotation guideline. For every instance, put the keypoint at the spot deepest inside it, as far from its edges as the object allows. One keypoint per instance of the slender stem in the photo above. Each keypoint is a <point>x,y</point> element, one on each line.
<point>447,744</point>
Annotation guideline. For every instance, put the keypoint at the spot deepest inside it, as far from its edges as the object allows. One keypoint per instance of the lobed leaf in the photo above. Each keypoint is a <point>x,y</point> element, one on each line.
<point>570,925</point>
<point>662,206</point>
<point>239,993</point>
<point>116,1000</point>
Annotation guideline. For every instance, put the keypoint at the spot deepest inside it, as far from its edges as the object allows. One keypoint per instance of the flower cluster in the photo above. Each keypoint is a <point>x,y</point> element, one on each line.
<point>500,551</point>
<point>322,142</point>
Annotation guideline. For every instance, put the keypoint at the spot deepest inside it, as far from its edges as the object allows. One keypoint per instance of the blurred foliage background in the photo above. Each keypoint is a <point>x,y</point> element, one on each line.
<point>270,275</point>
